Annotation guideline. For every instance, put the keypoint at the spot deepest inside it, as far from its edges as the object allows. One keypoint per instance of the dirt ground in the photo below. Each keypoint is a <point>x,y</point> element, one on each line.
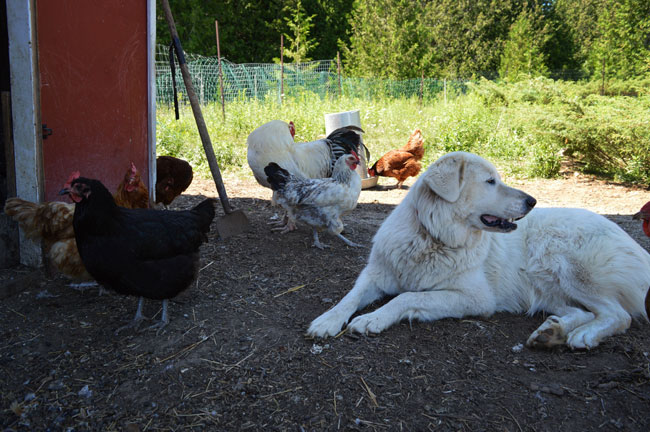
<point>235,355</point>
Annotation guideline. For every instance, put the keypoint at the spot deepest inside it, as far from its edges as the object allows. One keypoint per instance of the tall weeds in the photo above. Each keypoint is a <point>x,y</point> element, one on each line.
<point>527,128</point>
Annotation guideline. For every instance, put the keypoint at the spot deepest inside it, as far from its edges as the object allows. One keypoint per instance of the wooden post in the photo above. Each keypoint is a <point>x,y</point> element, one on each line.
<point>223,99</point>
<point>338,70</point>
<point>201,88</point>
<point>421,87</point>
<point>602,86</point>
<point>444,88</point>
<point>281,68</point>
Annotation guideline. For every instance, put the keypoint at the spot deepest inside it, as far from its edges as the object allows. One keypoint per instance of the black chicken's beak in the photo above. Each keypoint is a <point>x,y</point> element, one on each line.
<point>64,191</point>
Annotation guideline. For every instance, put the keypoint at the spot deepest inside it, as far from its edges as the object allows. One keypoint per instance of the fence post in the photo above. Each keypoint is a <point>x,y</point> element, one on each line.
<point>421,87</point>
<point>281,68</point>
<point>338,70</point>
<point>602,86</point>
<point>444,88</point>
<point>223,99</point>
<point>201,87</point>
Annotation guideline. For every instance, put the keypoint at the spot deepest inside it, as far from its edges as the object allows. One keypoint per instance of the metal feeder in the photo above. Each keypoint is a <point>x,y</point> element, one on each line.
<point>351,118</point>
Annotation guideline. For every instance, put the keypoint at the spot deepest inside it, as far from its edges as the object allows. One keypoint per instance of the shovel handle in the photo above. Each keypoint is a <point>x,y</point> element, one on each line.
<point>196,110</point>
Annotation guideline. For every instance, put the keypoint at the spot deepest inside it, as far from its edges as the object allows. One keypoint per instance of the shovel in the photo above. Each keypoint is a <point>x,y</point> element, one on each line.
<point>234,221</point>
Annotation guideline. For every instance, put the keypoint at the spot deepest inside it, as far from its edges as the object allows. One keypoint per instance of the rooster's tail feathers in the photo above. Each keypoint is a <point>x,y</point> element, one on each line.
<point>276,175</point>
<point>344,140</point>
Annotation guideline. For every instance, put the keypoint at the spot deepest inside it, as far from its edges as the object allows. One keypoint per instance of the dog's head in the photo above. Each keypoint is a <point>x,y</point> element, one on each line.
<point>469,192</point>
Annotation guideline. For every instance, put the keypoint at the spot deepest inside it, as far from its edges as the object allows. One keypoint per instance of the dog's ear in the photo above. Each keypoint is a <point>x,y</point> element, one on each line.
<point>445,177</point>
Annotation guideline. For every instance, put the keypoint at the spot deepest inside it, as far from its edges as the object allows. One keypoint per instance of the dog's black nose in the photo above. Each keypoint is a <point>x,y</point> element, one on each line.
<point>530,202</point>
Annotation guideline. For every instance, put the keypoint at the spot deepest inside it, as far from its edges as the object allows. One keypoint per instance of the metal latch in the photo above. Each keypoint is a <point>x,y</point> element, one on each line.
<point>46,131</point>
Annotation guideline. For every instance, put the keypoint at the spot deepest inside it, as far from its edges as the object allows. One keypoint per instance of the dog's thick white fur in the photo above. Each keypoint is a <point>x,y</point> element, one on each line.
<point>450,249</point>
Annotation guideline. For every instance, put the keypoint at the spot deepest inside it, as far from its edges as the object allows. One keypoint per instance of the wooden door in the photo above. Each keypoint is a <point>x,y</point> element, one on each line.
<point>93,77</point>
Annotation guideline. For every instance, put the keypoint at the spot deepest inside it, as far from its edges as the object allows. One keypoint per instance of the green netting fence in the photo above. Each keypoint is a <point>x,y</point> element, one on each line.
<point>263,80</point>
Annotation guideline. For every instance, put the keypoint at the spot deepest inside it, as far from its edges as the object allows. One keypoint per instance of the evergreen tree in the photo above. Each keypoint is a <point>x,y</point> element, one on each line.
<point>331,25</point>
<point>576,31</point>
<point>468,35</point>
<point>250,29</point>
<point>245,28</point>
<point>523,52</point>
<point>621,48</point>
<point>387,39</point>
<point>297,43</point>
<point>446,38</point>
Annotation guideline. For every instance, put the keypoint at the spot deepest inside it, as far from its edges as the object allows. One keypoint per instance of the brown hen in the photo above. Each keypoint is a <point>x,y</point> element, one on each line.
<point>131,192</point>
<point>173,176</point>
<point>402,163</point>
<point>52,223</point>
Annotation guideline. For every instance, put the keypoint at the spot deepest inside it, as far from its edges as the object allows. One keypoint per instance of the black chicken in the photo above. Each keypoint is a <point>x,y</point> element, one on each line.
<point>140,252</point>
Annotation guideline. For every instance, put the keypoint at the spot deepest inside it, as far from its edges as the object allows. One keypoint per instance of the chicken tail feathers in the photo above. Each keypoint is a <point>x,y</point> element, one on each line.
<point>345,140</point>
<point>205,211</point>
<point>276,176</point>
<point>38,220</point>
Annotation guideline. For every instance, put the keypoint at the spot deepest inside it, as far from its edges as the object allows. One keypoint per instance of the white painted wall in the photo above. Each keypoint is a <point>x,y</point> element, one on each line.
<point>25,103</point>
<point>151,71</point>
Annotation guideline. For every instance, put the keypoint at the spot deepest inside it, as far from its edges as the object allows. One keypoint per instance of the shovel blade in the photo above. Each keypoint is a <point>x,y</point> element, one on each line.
<point>232,224</point>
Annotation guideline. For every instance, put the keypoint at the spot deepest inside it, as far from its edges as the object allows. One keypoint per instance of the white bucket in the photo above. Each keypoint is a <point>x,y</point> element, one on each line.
<point>334,121</point>
<point>338,120</point>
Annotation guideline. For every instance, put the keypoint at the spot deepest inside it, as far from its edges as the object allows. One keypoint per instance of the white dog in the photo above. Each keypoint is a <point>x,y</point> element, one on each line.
<point>444,252</point>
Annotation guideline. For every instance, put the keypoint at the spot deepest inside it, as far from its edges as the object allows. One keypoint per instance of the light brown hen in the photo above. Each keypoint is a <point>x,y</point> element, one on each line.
<point>51,222</point>
<point>401,163</point>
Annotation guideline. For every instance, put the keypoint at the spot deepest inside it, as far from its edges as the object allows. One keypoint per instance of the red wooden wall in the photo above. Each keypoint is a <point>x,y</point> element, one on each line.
<point>93,64</point>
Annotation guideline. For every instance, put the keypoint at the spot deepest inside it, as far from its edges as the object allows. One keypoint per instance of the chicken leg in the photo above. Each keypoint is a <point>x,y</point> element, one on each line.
<point>317,242</point>
<point>137,319</point>
<point>321,246</point>
<point>284,225</point>
<point>288,227</point>
<point>348,242</point>
<point>164,319</point>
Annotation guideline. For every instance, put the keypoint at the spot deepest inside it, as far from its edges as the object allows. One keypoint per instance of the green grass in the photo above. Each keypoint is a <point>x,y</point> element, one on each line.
<point>526,128</point>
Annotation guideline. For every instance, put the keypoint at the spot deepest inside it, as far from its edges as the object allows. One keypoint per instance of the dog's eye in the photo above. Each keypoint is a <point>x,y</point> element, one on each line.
<point>491,181</point>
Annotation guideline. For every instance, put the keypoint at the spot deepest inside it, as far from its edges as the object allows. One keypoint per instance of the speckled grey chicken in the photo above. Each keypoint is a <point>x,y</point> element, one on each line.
<point>318,202</point>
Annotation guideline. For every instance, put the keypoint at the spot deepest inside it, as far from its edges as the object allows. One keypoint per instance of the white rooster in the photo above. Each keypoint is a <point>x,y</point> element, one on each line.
<point>318,202</point>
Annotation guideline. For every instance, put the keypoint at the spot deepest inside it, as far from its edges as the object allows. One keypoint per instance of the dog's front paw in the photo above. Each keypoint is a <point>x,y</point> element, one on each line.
<point>582,338</point>
<point>328,324</point>
<point>368,323</point>
<point>548,335</point>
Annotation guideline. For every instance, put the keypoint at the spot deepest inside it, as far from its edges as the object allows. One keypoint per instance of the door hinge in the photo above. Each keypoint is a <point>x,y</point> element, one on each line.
<point>46,131</point>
